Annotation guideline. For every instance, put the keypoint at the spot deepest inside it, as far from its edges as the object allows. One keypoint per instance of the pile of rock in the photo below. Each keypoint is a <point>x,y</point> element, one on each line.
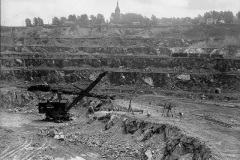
<point>188,147</point>
<point>43,157</point>
<point>21,110</point>
<point>11,97</point>
<point>52,132</point>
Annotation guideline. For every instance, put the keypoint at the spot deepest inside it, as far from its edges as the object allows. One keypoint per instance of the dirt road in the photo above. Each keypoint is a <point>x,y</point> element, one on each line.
<point>19,140</point>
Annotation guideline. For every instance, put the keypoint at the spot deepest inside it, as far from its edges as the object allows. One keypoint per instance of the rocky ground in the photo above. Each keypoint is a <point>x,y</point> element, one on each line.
<point>195,68</point>
<point>121,135</point>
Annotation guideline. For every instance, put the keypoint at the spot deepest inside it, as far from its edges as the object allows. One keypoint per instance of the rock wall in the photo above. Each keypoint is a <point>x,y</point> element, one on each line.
<point>108,50</point>
<point>198,52</point>
<point>173,81</point>
<point>148,64</point>
<point>12,97</point>
<point>122,137</point>
<point>177,145</point>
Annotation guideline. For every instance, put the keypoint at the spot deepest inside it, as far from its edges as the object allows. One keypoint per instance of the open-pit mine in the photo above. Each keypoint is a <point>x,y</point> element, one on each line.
<point>170,93</point>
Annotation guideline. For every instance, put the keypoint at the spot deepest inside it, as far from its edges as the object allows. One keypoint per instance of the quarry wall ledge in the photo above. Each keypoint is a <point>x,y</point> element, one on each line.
<point>173,81</point>
<point>116,70</point>
<point>69,55</point>
<point>172,65</point>
<point>140,50</point>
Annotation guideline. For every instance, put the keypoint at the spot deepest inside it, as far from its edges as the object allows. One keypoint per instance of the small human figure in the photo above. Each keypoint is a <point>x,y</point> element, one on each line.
<point>59,95</point>
<point>91,109</point>
<point>180,115</point>
<point>164,108</point>
<point>130,107</point>
<point>110,101</point>
<point>148,114</point>
<point>167,107</point>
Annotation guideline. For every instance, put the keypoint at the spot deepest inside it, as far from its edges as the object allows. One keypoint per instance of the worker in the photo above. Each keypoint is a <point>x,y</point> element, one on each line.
<point>168,107</point>
<point>180,115</point>
<point>59,95</point>
<point>109,101</point>
<point>164,108</point>
<point>91,108</point>
<point>148,114</point>
<point>130,107</point>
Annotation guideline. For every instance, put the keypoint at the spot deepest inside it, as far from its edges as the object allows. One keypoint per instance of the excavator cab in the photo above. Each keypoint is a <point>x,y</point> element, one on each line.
<point>54,110</point>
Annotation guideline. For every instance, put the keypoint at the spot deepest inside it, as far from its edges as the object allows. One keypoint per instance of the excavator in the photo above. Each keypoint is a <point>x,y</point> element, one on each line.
<point>58,111</point>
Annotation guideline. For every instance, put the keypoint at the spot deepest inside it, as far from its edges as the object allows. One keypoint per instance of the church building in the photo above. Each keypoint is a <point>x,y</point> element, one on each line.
<point>117,13</point>
<point>116,17</point>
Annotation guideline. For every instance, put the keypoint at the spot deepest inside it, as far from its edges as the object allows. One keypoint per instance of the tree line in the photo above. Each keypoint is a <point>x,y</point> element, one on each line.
<point>220,17</point>
<point>71,19</point>
<point>80,20</point>
<point>130,18</point>
<point>37,21</point>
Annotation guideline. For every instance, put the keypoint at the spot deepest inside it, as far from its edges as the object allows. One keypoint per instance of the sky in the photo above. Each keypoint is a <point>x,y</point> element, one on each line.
<point>14,12</point>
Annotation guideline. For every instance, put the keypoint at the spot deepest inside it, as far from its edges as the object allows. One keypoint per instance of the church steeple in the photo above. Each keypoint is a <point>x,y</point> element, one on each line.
<point>117,10</point>
<point>116,17</point>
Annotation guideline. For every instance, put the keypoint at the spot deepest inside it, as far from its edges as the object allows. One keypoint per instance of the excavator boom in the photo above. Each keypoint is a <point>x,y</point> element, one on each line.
<point>83,93</point>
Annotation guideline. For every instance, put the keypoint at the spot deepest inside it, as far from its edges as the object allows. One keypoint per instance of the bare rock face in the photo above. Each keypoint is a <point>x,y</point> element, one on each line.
<point>131,125</point>
<point>113,120</point>
<point>188,156</point>
<point>108,118</point>
<point>147,134</point>
<point>149,155</point>
<point>184,147</point>
<point>178,145</point>
<point>13,97</point>
<point>101,115</point>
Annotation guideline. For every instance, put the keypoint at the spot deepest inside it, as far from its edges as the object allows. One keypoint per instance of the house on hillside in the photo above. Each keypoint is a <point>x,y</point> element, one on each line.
<point>202,21</point>
<point>136,23</point>
<point>69,23</point>
<point>221,21</point>
<point>211,21</point>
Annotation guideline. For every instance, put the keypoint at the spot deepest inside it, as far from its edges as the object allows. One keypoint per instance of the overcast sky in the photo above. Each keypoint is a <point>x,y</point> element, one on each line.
<point>14,12</point>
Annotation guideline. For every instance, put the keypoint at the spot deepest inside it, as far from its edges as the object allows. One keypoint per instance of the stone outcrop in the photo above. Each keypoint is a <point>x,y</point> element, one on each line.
<point>16,98</point>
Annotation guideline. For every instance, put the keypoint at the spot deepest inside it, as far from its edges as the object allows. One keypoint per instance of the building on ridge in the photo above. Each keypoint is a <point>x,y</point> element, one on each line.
<point>117,12</point>
<point>116,17</point>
